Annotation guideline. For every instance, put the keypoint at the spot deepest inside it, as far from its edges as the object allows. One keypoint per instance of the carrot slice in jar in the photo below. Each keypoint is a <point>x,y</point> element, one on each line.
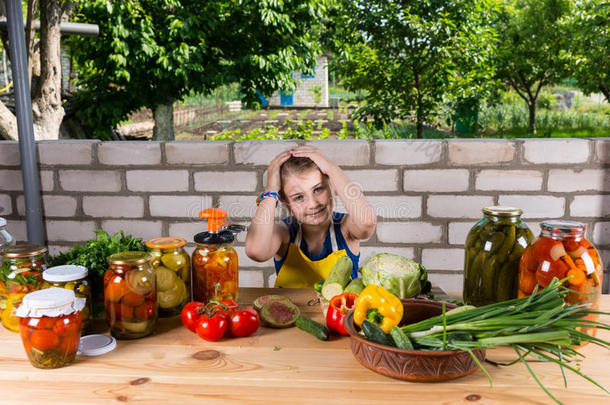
<point>527,282</point>
<point>578,277</point>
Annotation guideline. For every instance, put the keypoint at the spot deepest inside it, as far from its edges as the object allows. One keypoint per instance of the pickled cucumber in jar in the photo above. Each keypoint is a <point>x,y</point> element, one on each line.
<point>172,266</point>
<point>493,249</point>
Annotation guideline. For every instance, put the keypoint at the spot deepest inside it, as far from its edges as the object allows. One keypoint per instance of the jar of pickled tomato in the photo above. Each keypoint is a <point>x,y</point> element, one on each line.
<point>50,325</point>
<point>562,251</point>
<point>130,295</point>
<point>21,273</point>
<point>172,266</point>
<point>72,277</point>
<point>215,260</point>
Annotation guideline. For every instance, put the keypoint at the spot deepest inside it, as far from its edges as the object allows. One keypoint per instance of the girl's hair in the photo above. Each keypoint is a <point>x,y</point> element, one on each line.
<point>296,165</point>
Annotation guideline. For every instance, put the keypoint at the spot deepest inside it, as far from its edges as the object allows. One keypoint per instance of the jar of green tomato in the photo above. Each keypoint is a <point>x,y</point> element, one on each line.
<point>493,249</point>
<point>74,278</point>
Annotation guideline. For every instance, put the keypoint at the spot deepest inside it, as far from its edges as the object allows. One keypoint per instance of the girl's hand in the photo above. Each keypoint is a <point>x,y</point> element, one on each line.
<point>273,172</point>
<point>314,154</point>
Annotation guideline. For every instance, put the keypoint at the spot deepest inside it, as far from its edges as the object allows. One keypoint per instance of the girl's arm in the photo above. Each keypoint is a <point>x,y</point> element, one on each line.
<point>265,238</point>
<point>360,220</point>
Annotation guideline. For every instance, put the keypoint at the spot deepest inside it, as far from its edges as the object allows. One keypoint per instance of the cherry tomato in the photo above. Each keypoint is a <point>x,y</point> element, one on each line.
<point>66,326</point>
<point>115,289</point>
<point>244,322</point>
<point>133,299</point>
<point>145,311</point>
<point>231,306</point>
<point>44,339</point>
<point>69,344</point>
<point>190,314</point>
<point>44,322</point>
<point>211,328</point>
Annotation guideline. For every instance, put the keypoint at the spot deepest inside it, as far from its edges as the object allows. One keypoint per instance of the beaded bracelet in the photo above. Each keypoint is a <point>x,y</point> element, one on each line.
<point>268,194</point>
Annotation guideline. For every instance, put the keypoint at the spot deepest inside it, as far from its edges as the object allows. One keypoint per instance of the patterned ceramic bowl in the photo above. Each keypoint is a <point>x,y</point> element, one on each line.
<point>412,365</point>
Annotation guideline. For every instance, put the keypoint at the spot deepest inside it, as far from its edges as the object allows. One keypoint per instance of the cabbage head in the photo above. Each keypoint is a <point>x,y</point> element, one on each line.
<point>403,277</point>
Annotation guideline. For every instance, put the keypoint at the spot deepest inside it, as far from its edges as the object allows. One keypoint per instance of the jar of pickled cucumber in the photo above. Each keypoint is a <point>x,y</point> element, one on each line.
<point>215,260</point>
<point>21,273</point>
<point>172,267</point>
<point>50,325</point>
<point>72,277</point>
<point>562,251</point>
<point>493,248</point>
<point>130,295</point>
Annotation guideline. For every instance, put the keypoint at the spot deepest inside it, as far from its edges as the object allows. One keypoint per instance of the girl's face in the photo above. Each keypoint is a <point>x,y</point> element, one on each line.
<point>309,196</point>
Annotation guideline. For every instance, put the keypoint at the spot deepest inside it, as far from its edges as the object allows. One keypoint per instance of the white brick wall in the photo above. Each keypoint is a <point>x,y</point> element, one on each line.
<point>90,180</point>
<point>6,206</point>
<point>408,232</point>
<point>260,152</point>
<point>345,153</point>
<point>467,152</point>
<point>70,231</point>
<point>66,152</point>
<point>197,153</point>
<point>438,180</point>
<point>225,181</point>
<point>457,206</point>
<point>413,152</point>
<point>368,251</point>
<point>178,206</point>
<point>141,229</point>
<point>396,207</point>
<point>113,207</point>
<point>157,180</point>
<point>53,205</point>
<point>536,206</point>
<point>443,259</point>
<point>238,206</point>
<point>374,180</point>
<point>590,206</point>
<point>509,180</point>
<point>543,151</point>
<point>562,180</point>
<point>601,233</point>
<point>9,153</point>
<point>129,153</point>
<point>11,180</point>
<point>458,232</point>
<point>602,150</point>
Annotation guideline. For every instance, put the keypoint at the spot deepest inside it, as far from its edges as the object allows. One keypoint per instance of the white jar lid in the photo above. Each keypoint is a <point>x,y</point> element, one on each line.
<point>51,302</point>
<point>2,222</point>
<point>68,272</point>
<point>95,345</point>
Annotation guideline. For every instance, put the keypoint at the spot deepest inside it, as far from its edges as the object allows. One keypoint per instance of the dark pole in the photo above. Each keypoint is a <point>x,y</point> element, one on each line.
<point>23,105</point>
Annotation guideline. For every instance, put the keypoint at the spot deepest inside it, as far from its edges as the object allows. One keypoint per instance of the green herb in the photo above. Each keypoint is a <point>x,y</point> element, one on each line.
<point>276,348</point>
<point>541,326</point>
<point>94,255</point>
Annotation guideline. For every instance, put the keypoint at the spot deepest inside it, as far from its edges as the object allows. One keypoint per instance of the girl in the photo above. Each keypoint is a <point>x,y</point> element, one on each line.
<point>306,245</point>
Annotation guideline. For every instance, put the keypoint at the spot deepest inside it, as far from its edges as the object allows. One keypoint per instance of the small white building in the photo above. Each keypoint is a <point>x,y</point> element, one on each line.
<point>311,91</point>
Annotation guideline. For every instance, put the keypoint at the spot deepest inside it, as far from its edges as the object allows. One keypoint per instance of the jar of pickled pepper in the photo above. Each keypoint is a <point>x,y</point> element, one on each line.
<point>563,251</point>
<point>21,273</point>
<point>215,260</point>
<point>130,295</point>
<point>172,266</point>
<point>50,325</point>
<point>72,277</point>
<point>493,248</point>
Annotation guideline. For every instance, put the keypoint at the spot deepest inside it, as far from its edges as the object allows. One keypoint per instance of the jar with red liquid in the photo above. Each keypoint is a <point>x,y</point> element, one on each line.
<point>563,251</point>
<point>215,260</point>
<point>130,295</point>
<point>50,325</point>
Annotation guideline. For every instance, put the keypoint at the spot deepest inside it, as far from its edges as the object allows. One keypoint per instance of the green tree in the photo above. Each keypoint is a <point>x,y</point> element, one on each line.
<point>152,52</point>
<point>533,47</point>
<point>409,55</point>
<point>591,46</point>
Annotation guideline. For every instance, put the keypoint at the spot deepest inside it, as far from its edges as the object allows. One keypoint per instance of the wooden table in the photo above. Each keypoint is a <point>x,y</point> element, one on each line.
<point>287,366</point>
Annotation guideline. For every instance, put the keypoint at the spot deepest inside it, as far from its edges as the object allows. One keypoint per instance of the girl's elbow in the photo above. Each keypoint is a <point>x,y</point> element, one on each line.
<point>255,253</point>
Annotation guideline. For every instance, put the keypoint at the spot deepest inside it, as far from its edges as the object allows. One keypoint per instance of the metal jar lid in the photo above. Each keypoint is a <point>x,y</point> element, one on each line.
<point>24,250</point>
<point>502,211</point>
<point>129,258</point>
<point>166,242</point>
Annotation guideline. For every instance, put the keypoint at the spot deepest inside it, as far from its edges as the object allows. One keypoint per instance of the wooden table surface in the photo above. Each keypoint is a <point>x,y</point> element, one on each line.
<point>287,366</point>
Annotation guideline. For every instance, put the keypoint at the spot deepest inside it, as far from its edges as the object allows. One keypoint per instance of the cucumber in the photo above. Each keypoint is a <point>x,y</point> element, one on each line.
<point>375,334</point>
<point>261,301</point>
<point>355,286</point>
<point>318,286</point>
<point>310,326</point>
<point>400,338</point>
<point>338,278</point>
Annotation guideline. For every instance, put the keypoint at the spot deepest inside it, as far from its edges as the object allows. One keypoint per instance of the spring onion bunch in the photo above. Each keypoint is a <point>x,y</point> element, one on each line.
<point>542,326</point>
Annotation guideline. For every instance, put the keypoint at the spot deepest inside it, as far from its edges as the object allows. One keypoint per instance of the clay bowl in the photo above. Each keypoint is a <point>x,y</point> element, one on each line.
<point>412,365</point>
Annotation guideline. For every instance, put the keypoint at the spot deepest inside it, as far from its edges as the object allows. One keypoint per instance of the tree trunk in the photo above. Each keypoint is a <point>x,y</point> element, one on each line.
<point>531,105</point>
<point>46,107</point>
<point>8,126</point>
<point>419,119</point>
<point>606,91</point>
<point>29,36</point>
<point>164,122</point>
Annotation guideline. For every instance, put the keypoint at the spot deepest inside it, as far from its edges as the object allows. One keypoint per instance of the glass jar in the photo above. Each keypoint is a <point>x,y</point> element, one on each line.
<point>563,251</point>
<point>21,273</point>
<point>50,325</point>
<point>6,239</point>
<point>172,266</point>
<point>214,272</point>
<point>493,248</point>
<point>74,278</point>
<point>130,295</point>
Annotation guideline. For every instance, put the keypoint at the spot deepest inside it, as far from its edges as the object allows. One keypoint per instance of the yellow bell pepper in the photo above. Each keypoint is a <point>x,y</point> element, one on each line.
<point>378,305</point>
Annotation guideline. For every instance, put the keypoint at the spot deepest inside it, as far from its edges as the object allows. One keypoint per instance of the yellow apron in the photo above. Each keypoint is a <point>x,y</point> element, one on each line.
<point>298,271</point>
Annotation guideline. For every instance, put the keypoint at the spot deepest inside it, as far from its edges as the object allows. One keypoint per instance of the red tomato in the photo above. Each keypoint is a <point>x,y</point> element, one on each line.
<point>115,289</point>
<point>44,322</point>
<point>190,314</point>
<point>231,306</point>
<point>44,339</point>
<point>244,322</point>
<point>145,311</point>
<point>67,326</point>
<point>132,299</point>
<point>211,328</point>
<point>69,344</point>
